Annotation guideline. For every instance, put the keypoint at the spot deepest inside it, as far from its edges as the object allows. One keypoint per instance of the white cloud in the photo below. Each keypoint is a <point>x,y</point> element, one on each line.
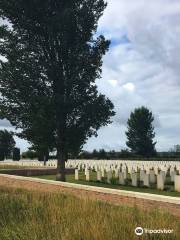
<point>129,87</point>
<point>113,83</point>
<point>148,65</point>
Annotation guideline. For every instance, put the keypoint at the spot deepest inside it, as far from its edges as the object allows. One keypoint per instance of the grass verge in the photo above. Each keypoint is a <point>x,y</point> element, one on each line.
<point>27,215</point>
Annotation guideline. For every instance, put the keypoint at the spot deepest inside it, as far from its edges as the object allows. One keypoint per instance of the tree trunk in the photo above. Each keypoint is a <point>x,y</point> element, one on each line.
<point>61,170</point>
<point>59,100</point>
<point>46,158</point>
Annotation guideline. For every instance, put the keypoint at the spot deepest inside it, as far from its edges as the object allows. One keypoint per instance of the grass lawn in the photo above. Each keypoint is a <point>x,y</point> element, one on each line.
<point>26,215</point>
<point>115,185</point>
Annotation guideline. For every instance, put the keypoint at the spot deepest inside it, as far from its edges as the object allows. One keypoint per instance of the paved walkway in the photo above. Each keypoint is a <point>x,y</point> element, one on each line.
<point>118,197</point>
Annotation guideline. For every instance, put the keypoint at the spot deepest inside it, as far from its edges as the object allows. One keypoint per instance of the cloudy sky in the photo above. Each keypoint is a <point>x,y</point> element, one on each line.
<point>141,68</point>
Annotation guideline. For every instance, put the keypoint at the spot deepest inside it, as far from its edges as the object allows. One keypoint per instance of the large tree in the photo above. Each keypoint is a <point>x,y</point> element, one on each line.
<point>55,42</point>
<point>38,130</point>
<point>7,144</point>
<point>26,101</point>
<point>141,133</point>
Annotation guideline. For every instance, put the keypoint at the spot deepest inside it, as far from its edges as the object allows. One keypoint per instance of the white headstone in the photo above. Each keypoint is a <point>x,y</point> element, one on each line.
<point>99,176</point>
<point>156,170</point>
<point>103,172</point>
<point>87,175</point>
<point>134,179</point>
<point>160,181</point>
<point>142,173</point>
<point>177,183</point>
<point>146,180</point>
<point>125,173</point>
<point>163,174</point>
<point>121,178</point>
<point>173,174</point>
<point>152,176</point>
<point>76,174</point>
<point>109,176</point>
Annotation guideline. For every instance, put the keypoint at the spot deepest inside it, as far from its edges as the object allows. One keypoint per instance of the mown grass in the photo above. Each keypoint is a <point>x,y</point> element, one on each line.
<point>26,215</point>
<point>93,182</point>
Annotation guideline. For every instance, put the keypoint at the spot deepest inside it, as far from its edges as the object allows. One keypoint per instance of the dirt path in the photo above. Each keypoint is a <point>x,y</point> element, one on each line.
<point>110,198</point>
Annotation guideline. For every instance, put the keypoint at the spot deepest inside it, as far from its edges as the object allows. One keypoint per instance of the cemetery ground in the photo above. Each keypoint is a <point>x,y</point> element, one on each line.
<point>34,208</point>
<point>169,191</point>
<point>34,214</point>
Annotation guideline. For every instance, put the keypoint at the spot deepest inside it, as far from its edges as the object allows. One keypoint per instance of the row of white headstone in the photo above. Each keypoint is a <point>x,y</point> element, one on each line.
<point>148,173</point>
<point>106,164</point>
<point>146,178</point>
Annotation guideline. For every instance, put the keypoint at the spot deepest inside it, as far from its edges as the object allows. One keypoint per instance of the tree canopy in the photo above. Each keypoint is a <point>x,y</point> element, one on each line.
<point>141,133</point>
<point>54,57</point>
<point>7,144</point>
<point>16,154</point>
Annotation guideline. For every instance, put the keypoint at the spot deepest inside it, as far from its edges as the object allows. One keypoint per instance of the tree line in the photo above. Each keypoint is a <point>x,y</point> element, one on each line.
<point>140,134</point>
<point>126,154</point>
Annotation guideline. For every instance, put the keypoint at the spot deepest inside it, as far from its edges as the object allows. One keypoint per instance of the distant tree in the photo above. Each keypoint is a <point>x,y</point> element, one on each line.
<point>29,154</point>
<point>125,153</point>
<point>2,157</point>
<point>141,133</point>
<point>85,155</point>
<point>95,154</point>
<point>102,154</point>
<point>177,148</point>
<point>59,37</point>
<point>7,144</point>
<point>112,155</point>
<point>16,154</point>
